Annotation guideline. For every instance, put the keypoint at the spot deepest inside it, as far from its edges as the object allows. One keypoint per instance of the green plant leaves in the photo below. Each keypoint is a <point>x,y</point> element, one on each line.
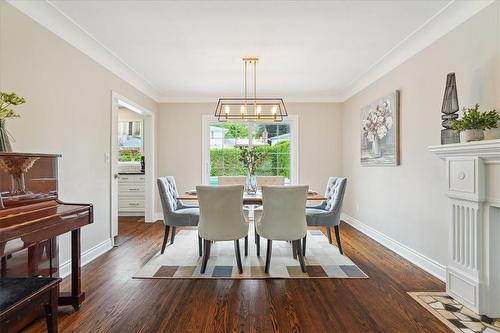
<point>6,100</point>
<point>474,119</point>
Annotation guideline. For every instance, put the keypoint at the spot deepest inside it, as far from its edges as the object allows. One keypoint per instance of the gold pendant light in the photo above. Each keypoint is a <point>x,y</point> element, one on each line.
<point>250,108</point>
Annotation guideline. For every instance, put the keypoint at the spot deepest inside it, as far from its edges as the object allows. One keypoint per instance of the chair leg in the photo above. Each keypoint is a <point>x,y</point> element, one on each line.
<point>294,250</point>
<point>268,255</point>
<point>238,255</point>
<point>304,245</point>
<point>329,232</point>
<point>173,235</point>
<point>246,245</point>
<point>206,255</point>
<point>165,238</point>
<point>200,247</point>
<point>255,232</point>
<point>258,244</point>
<point>337,235</point>
<point>299,253</point>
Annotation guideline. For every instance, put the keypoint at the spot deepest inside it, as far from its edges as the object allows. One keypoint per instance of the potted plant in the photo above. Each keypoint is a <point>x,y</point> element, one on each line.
<point>473,123</point>
<point>6,112</point>
<point>251,159</point>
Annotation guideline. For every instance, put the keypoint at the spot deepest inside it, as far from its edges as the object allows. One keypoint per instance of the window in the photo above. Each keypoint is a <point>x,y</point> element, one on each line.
<point>130,140</point>
<point>227,139</point>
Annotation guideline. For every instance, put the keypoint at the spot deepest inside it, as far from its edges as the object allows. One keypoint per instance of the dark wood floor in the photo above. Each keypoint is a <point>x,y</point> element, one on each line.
<point>117,303</point>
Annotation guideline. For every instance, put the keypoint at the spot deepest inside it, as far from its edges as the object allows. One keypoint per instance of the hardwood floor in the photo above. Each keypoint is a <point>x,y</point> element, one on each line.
<point>117,303</point>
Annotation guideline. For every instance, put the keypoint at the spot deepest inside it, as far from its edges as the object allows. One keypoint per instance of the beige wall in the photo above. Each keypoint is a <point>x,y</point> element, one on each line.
<point>67,111</point>
<point>179,141</point>
<point>407,202</point>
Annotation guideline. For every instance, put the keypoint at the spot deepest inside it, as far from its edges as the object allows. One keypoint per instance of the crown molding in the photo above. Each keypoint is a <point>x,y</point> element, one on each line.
<point>213,99</point>
<point>57,22</point>
<point>448,18</point>
<point>444,21</point>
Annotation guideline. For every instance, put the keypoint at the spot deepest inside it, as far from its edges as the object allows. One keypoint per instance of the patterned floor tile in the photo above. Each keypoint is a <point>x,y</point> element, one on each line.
<point>456,316</point>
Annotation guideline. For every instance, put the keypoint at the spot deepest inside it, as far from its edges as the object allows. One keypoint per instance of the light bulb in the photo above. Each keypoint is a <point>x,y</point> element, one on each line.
<point>259,109</point>
<point>227,109</point>
<point>243,109</point>
<point>274,110</point>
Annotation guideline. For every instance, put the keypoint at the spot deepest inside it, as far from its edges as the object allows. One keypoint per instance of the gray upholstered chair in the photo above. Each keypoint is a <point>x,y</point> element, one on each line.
<point>327,214</point>
<point>222,219</point>
<point>283,219</point>
<point>175,213</point>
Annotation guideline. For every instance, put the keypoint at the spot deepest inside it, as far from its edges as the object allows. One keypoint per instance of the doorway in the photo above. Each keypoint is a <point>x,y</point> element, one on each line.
<point>132,163</point>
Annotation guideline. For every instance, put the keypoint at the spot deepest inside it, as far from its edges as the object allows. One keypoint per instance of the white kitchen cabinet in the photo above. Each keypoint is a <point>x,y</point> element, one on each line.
<point>131,195</point>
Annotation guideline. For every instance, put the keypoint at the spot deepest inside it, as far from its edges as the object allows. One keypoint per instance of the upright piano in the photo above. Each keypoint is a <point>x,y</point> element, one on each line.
<point>31,218</point>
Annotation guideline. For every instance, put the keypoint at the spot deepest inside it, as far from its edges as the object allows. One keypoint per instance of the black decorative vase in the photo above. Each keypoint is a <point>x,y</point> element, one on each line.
<point>449,110</point>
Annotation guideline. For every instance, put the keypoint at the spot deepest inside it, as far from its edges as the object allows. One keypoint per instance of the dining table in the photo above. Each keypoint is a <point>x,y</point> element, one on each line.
<point>250,199</point>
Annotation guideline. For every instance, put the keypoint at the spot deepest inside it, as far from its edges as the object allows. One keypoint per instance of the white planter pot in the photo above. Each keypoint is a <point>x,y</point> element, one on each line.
<point>472,135</point>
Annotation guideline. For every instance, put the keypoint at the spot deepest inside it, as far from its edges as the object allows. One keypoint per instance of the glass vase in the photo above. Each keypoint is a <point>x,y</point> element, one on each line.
<point>4,138</point>
<point>251,184</point>
<point>376,147</point>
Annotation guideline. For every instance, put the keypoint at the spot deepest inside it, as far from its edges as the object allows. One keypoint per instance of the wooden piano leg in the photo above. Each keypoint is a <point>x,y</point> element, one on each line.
<point>76,296</point>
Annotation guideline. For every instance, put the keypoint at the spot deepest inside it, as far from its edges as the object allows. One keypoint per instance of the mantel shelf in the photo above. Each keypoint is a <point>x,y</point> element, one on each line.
<point>488,150</point>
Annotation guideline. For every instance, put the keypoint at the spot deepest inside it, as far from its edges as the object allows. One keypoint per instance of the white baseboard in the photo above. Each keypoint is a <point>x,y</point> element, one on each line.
<point>87,256</point>
<point>158,216</point>
<point>430,266</point>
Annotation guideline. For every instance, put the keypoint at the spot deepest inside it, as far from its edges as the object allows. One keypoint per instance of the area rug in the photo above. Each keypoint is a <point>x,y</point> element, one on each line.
<point>454,315</point>
<point>181,260</point>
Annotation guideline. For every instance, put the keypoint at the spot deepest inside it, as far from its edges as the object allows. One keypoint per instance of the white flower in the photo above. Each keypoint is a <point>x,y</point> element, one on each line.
<point>388,122</point>
<point>381,131</point>
<point>373,117</point>
<point>370,136</point>
<point>380,119</point>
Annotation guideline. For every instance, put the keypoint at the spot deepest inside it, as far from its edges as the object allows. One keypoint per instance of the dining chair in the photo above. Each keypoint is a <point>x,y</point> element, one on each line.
<point>283,218</point>
<point>232,180</point>
<point>327,213</point>
<point>269,180</point>
<point>265,181</point>
<point>175,213</point>
<point>221,219</point>
<point>236,180</point>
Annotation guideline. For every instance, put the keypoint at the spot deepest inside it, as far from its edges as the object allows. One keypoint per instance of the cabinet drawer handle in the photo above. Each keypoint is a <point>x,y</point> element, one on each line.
<point>134,189</point>
<point>133,204</point>
<point>461,175</point>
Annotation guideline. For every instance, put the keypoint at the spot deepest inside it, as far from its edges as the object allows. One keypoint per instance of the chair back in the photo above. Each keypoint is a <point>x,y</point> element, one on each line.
<point>283,217</point>
<point>334,194</point>
<point>269,180</point>
<point>168,194</point>
<point>232,180</point>
<point>221,212</point>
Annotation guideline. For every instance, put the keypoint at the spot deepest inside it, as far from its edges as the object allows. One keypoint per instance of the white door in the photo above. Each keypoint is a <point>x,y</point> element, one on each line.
<point>114,167</point>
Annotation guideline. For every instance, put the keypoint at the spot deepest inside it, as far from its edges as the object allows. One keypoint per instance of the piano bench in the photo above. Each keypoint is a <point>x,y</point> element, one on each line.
<point>19,297</point>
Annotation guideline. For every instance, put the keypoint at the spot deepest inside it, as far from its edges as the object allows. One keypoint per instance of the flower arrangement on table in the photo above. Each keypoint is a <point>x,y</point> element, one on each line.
<point>7,100</point>
<point>377,124</point>
<point>252,159</point>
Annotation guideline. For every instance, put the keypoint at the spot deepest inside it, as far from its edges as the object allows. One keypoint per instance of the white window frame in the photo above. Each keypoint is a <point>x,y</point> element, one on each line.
<point>291,120</point>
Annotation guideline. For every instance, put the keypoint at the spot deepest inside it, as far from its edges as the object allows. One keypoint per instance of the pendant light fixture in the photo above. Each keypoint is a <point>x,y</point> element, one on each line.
<point>250,108</point>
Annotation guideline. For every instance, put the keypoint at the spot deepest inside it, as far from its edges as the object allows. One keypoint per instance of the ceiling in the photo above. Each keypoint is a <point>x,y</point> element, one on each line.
<point>308,50</point>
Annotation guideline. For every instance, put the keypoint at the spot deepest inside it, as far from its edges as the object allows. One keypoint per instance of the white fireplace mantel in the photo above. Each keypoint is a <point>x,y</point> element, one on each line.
<point>473,189</point>
<point>487,150</point>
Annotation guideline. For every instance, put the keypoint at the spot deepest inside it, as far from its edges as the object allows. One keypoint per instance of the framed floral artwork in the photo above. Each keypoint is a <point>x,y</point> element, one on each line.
<point>380,131</point>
